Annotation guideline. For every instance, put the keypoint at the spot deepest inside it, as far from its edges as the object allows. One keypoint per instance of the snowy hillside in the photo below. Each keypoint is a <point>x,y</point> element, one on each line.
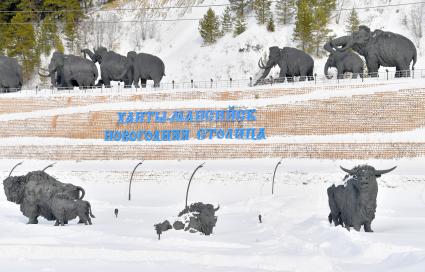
<point>179,44</point>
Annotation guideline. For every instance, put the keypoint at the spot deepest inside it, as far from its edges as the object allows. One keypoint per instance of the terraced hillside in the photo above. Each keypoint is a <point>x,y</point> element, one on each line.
<point>344,122</point>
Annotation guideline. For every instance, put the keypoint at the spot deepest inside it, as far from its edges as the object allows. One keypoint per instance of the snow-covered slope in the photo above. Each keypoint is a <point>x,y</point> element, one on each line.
<point>179,44</point>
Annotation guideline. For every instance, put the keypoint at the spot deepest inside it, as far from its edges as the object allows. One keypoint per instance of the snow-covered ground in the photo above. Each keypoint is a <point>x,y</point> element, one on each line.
<point>294,235</point>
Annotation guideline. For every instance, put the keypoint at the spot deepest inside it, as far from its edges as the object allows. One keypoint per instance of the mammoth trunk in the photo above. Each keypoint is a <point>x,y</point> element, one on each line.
<point>326,70</point>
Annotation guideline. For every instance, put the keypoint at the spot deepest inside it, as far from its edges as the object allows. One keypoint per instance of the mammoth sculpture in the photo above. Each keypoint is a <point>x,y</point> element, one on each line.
<point>292,62</point>
<point>380,48</point>
<point>10,75</point>
<point>344,62</point>
<point>34,193</point>
<point>113,66</point>
<point>144,67</point>
<point>354,204</point>
<point>67,71</point>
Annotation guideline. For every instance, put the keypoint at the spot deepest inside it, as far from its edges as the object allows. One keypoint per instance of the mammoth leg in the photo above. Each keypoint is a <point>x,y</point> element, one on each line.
<point>57,223</point>
<point>143,82</point>
<point>372,67</point>
<point>367,227</point>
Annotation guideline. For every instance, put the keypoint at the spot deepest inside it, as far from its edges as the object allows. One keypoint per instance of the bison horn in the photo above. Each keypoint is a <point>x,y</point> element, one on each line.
<point>346,170</point>
<point>14,168</point>
<point>381,172</point>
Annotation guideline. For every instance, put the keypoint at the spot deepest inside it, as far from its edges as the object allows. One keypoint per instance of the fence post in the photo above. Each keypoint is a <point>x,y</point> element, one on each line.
<point>191,83</point>
<point>413,73</point>
<point>51,87</point>
<point>315,78</point>
<point>211,83</point>
<point>36,89</point>
<point>230,82</point>
<point>386,70</point>
<point>271,80</point>
<point>119,86</point>
<point>172,82</point>
<point>250,81</point>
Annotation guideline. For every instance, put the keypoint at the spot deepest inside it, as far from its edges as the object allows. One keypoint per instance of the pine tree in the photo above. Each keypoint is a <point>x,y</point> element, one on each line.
<point>262,11</point>
<point>270,25</point>
<point>352,23</point>
<point>209,27</point>
<point>322,10</point>
<point>22,44</point>
<point>240,26</point>
<point>227,21</point>
<point>285,11</point>
<point>240,7</point>
<point>48,38</point>
<point>303,25</point>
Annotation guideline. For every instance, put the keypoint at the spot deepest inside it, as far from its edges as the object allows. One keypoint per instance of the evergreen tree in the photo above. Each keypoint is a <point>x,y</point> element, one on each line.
<point>209,27</point>
<point>48,38</point>
<point>285,11</point>
<point>240,26</point>
<point>352,23</point>
<point>227,21</point>
<point>262,11</point>
<point>240,7</point>
<point>22,44</point>
<point>270,25</point>
<point>303,25</point>
<point>322,10</point>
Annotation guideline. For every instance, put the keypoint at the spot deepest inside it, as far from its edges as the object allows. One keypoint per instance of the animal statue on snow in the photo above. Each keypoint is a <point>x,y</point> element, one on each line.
<point>10,75</point>
<point>67,71</point>
<point>197,217</point>
<point>65,208</point>
<point>344,62</point>
<point>144,67</point>
<point>380,48</point>
<point>113,66</point>
<point>354,204</point>
<point>35,191</point>
<point>292,62</point>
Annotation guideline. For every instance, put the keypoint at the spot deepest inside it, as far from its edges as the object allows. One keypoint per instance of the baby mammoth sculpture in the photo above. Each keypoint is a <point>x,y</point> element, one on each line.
<point>65,208</point>
<point>344,62</point>
<point>67,71</point>
<point>10,75</point>
<point>35,191</point>
<point>292,62</point>
<point>354,204</point>
<point>144,67</point>
<point>380,48</point>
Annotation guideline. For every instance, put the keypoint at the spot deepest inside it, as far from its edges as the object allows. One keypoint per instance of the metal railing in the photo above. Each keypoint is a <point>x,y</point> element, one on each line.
<point>228,84</point>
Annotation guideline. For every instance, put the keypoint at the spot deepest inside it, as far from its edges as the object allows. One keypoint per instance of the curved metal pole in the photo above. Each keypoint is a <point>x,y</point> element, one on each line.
<point>15,167</point>
<point>190,180</point>
<point>129,186</point>
<point>48,166</point>
<point>274,174</point>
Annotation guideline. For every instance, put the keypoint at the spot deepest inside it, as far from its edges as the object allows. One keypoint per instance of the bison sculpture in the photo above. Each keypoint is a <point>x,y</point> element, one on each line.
<point>354,204</point>
<point>35,191</point>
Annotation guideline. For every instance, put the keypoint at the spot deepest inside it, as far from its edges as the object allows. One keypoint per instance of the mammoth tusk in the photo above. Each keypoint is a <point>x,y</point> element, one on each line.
<point>48,166</point>
<point>218,207</point>
<point>40,74</point>
<point>15,167</point>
